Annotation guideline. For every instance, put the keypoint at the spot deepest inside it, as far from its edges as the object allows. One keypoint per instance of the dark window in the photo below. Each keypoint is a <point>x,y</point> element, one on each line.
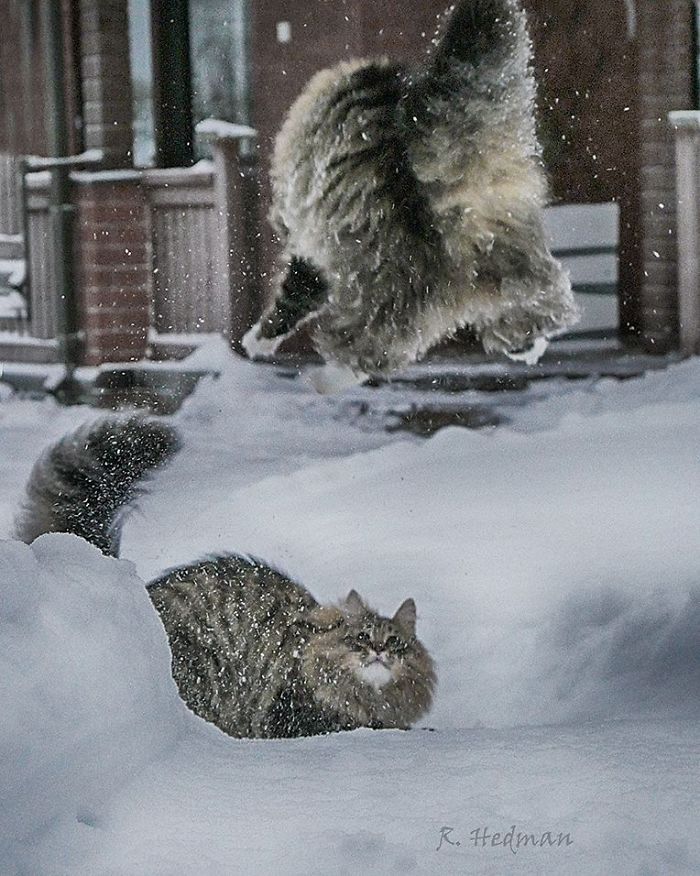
<point>218,72</point>
<point>142,81</point>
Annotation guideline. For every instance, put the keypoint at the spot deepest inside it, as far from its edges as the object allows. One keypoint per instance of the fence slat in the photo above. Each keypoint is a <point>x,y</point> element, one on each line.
<point>183,282</point>
<point>10,194</point>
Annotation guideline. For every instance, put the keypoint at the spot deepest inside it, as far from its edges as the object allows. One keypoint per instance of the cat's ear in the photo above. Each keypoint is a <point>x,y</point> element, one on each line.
<point>353,603</point>
<point>405,617</point>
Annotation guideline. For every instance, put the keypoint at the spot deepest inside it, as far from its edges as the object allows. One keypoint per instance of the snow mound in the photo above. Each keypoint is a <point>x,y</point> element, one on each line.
<point>86,696</point>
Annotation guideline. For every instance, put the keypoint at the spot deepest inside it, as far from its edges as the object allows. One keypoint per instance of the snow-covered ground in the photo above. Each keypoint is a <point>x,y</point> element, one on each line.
<point>554,561</point>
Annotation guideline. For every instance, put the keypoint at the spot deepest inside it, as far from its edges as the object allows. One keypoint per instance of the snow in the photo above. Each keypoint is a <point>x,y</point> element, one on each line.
<point>12,303</point>
<point>533,355</point>
<point>41,163</point>
<point>688,119</point>
<point>13,271</point>
<point>553,560</point>
<point>87,698</point>
<point>222,130</point>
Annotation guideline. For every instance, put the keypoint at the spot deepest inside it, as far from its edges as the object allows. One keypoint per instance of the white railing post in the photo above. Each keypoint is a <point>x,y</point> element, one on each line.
<point>686,125</point>
<point>234,265</point>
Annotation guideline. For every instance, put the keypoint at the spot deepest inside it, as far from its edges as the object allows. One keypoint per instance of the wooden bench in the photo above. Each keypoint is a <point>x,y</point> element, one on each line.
<point>585,239</point>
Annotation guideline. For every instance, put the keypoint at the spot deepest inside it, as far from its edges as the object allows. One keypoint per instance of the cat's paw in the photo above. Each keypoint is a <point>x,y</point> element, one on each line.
<point>332,377</point>
<point>532,354</point>
<point>257,347</point>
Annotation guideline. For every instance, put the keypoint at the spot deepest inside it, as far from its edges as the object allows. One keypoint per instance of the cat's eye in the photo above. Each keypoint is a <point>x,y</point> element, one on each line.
<point>396,644</point>
<point>362,638</point>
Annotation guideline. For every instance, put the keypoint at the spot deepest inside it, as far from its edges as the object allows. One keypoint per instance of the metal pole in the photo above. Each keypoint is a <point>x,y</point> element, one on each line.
<point>62,210</point>
<point>172,83</point>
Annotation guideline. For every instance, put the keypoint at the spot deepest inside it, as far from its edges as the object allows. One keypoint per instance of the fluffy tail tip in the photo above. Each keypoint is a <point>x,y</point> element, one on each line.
<point>84,482</point>
<point>473,29</point>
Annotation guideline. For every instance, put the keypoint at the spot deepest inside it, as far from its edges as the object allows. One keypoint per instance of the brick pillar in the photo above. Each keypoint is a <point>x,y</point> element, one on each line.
<point>106,79</point>
<point>113,267</point>
<point>666,83</point>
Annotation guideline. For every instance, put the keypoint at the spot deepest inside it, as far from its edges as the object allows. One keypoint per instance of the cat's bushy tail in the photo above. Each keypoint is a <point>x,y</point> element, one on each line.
<point>85,482</point>
<point>478,32</point>
<point>477,78</point>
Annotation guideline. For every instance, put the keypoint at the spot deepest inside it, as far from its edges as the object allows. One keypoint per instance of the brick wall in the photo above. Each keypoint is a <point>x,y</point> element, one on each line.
<point>113,268</point>
<point>106,79</point>
<point>22,88</point>
<point>322,33</point>
<point>584,64</point>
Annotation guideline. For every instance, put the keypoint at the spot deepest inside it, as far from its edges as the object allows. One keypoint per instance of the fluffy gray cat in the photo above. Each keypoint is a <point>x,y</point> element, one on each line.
<point>409,203</point>
<point>252,651</point>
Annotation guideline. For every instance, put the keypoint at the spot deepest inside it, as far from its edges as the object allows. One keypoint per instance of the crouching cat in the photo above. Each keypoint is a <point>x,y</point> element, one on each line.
<point>252,651</point>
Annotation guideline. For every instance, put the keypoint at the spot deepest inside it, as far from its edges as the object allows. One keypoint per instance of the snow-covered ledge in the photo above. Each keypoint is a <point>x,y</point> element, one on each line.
<point>216,129</point>
<point>686,126</point>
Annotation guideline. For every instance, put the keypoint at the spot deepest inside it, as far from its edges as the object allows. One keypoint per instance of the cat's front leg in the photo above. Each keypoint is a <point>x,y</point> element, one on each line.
<point>302,292</point>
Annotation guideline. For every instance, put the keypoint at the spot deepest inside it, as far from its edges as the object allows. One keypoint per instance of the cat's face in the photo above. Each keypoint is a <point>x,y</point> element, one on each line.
<point>371,666</point>
<point>376,648</point>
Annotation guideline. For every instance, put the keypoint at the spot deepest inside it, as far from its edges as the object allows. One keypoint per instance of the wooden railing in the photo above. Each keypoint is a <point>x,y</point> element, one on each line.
<point>200,243</point>
<point>41,258</point>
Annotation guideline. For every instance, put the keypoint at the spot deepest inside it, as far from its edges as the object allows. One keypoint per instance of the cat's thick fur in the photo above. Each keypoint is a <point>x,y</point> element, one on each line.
<point>409,202</point>
<point>252,651</point>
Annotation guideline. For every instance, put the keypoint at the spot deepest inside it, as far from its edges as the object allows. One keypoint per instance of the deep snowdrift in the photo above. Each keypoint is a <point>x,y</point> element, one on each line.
<point>555,569</point>
<point>104,771</point>
<point>84,686</point>
<point>554,564</point>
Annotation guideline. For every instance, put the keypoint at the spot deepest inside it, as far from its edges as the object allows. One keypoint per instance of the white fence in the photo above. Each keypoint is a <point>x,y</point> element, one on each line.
<point>585,238</point>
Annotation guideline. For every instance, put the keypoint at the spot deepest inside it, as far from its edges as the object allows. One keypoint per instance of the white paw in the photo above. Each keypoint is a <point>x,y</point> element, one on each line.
<point>332,378</point>
<point>256,347</point>
<point>532,355</point>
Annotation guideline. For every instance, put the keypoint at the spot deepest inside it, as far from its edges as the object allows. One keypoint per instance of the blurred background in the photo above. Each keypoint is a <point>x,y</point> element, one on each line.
<point>149,232</point>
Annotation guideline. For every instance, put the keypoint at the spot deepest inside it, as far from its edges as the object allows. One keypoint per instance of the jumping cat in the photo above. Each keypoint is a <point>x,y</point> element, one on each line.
<point>252,651</point>
<point>409,204</point>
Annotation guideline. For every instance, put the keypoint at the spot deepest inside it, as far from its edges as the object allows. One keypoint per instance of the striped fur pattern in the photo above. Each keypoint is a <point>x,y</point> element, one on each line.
<point>415,197</point>
<point>255,654</point>
<point>84,482</point>
<point>252,650</point>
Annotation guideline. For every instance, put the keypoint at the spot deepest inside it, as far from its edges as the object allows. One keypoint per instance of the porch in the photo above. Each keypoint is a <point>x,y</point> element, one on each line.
<point>159,256</point>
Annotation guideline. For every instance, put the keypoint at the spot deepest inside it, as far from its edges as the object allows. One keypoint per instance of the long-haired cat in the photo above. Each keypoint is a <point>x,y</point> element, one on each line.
<point>252,651</point>
<point>409,203</point>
